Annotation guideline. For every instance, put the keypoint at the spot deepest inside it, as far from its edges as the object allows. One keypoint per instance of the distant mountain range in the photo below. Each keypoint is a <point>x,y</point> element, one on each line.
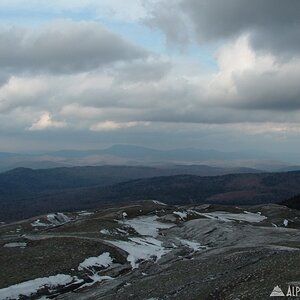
<point>26,181</point>
<point>26,192</point>
<point>135,155</point>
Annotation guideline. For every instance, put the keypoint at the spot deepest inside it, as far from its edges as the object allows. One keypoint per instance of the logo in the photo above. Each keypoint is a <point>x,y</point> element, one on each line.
<point>277,292</point>
<point>292,291</point>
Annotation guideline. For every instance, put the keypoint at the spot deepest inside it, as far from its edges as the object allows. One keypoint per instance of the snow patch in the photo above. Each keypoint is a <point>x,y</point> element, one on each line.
<point>105,231</point>
<point>122,231</point>
<point>85,213</point>
<point>285,222</point>
<point>38,223</point>
<point>195,246</point>
<point>194,212</point>
<point>141,249</point>
<point>147,225</point>
<point>283,248</point>
<point>103,261</point>
<point>15,244</point>
<point>58,218</point>
<point>158,202</point>
<point>53,219</point>
<point>116,231</point>
<point>31,287</point>
<point>95,278</point>
<point>180,214</point>
<point>229,217</point>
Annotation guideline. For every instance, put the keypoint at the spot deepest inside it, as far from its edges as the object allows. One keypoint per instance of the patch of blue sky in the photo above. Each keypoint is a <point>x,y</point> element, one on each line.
<point>205,54</point>
<point>154,40</point>
<point>137,33</point>
<point>30,16</point>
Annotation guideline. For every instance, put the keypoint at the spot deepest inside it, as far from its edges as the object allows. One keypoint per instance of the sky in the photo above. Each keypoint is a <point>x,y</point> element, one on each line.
<point>209,74</point>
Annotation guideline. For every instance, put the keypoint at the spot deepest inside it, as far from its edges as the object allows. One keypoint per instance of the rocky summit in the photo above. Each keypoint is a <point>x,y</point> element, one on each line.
<point>150,250</point>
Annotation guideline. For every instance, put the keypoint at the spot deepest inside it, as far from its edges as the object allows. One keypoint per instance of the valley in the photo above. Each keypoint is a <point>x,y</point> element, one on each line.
<point>26,193</point>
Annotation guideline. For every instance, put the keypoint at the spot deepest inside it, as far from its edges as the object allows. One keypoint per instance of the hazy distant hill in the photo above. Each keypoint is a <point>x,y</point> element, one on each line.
<point>138,152</point>
<point>136,155</point>
<point>133,152</point>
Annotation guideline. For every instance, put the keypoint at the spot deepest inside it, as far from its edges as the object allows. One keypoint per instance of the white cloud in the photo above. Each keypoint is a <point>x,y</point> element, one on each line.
<point>239,56</point>
<point>112,125</point>
<point>18,92</point>
<point>46,122</point>
<point>235,59</point>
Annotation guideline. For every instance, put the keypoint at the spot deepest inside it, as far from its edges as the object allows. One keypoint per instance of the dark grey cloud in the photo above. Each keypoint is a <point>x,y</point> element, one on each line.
<point>167,16</point>
<point>276,90</point>
<point>63,47</point>
<point>273,25</point>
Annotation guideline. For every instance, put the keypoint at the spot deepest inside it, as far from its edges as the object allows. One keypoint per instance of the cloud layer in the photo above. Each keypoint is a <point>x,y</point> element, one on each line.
<point>68,76</point>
